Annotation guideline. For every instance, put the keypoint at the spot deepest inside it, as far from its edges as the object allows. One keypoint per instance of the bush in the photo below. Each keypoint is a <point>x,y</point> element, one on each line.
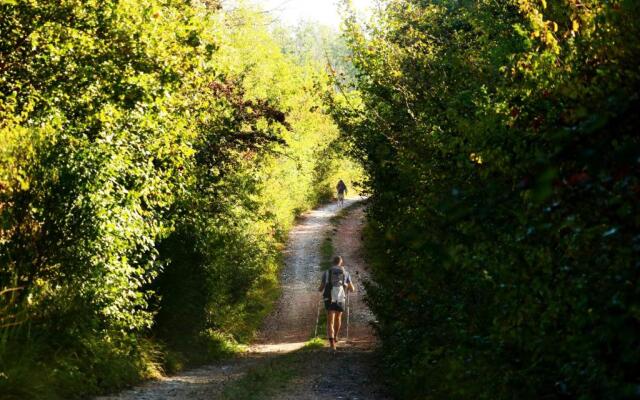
<point>500,141</point>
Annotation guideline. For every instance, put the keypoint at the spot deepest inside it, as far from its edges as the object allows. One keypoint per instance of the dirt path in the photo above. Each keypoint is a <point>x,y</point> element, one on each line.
<point>347,243</point>
<point>295,314</point>
<point>347,374</point>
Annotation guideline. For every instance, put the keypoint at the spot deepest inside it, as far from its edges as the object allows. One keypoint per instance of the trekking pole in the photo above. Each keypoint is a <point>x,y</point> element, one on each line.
<point>348,313</point>
<point>317,318</point>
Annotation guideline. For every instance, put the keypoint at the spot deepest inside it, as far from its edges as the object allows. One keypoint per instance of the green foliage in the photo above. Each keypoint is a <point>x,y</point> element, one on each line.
<point>500,140</point>
<point>315,344</point>
<point>153,155</point>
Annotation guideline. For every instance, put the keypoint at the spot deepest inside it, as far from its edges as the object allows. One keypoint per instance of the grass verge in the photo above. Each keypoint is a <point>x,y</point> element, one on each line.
<point>272,376</point>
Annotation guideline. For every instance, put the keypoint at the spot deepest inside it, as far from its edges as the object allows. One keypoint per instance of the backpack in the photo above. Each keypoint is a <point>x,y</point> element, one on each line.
<point>334,288</point>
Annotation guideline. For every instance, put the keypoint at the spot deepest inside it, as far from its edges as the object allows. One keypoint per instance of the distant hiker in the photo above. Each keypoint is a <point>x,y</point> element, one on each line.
<point>335,282</point>
<point>341,188</point>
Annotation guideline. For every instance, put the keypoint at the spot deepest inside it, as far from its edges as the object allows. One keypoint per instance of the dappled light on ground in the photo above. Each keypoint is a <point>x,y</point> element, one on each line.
<point>276,348</point>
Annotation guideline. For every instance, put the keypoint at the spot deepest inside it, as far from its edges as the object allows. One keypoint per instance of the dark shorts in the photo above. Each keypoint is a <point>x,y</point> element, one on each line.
<point>329,306</point>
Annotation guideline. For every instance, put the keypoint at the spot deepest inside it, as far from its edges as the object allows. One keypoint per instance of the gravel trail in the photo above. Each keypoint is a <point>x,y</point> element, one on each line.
<point>295,314</point>
<point>350,373</point>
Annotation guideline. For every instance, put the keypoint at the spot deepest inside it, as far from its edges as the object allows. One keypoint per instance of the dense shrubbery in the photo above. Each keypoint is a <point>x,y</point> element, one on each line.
<point>500,138</point>
<point>152,156</point>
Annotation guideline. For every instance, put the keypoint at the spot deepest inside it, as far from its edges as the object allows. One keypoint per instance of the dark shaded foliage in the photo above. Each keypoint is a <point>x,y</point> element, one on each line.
<point>500,138</point>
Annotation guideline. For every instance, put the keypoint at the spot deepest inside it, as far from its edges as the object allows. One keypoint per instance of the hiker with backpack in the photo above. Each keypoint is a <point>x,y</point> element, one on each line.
<point>341,188</point>
<point>336,281</point>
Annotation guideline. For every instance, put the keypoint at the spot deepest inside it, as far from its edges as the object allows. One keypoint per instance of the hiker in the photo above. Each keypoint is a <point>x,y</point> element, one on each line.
<point>335,282</point>
<point>341,188</point>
